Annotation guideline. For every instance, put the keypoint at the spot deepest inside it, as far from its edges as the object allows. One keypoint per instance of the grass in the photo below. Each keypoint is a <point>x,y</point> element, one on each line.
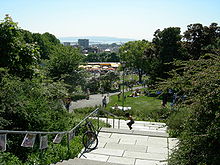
<point>142,107</point>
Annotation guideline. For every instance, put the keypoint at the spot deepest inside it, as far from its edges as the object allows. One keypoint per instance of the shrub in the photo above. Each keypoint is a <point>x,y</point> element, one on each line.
<point>76,97</point>
<point>198,123</point>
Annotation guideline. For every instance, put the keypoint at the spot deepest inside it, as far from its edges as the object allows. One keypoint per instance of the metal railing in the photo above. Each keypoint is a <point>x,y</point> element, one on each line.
<point>113,118</point>
<point>73,130</point>
<point>96,112</point>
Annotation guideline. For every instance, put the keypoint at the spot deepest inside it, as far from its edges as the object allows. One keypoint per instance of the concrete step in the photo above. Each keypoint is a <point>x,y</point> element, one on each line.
<point>139,146</point>
<point>78,161</point>
<point>135,132</point>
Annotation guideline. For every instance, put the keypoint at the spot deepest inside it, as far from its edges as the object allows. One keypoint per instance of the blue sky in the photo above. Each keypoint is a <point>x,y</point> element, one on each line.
<point>136,19</point>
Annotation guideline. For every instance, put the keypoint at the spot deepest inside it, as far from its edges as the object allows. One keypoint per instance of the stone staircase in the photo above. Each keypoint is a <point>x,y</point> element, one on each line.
<point>78,161</point>
<point>146,144</point>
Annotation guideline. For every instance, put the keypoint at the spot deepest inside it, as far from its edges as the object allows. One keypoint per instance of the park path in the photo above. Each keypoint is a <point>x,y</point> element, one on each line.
<point>94,100</point>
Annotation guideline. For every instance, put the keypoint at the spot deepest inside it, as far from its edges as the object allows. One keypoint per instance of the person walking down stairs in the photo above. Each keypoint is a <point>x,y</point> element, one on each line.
<point>131,122</point>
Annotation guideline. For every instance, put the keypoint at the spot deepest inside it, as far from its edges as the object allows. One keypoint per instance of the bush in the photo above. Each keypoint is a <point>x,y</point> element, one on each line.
<point>30,105</point>
<point>197,124</point>
<point>56,153</point>
<point>93,85</point>
<point>176,121</point>
<point>76,97</point>
<point>9,159</point>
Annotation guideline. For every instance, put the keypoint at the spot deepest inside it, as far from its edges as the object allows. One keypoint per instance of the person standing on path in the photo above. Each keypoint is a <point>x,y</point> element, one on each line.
<point>104,102</point>
<point>119,95</point>
<point>67,102</point>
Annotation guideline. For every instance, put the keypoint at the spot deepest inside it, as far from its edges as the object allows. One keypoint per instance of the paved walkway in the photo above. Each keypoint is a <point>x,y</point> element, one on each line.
<point>146,144</point>
<point>94,100</point>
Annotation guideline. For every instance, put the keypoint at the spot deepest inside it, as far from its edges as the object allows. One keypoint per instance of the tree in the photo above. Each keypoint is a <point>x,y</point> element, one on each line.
<point>64,65</point>
<point>102,57</point>
<point>199,136</point>
<point>93,57</point>
<point>168,44</point>
<point>92,84</point>
<point>30,105</point>
<point>201,38</point>
<point>137,54</point>
<point>108,80</point>
<point>168,48</point>
<point>17,57</point>
<point>113,57</point>
<point>46,42</point>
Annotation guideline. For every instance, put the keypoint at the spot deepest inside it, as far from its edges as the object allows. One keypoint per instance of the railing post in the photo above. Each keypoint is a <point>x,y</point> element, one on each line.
<point>68,144</point>
<point>107,121</point>
<point>118,123</point>
<point>113,122</point>
<point>41,152</point>
<point>98,117</point>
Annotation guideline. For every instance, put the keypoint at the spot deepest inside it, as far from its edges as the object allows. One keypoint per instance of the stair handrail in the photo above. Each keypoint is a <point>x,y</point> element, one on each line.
<point>44,132</point>
<point>96,111</point>
<point>68,133</point>
<point>88,116</point>
<point>114,117</point>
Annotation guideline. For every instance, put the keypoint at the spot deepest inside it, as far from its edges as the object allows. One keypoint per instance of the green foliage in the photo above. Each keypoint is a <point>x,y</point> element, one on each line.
<point>108,80</point>
<point>46,42</point>
<point>64,60</point>
<point>92,84</point>
<point>168,44</point>
<point>54,153</point>
<point>35,103</point>
<point>168,48</point>
<point>63,65</point>
<point>138,56</point>
<point>176,120</point>
<point>18,57</point>
<point>29,105</point>
<point>75,97</point>
<point>84,111</point>
<point>9,159</point>
<point>142,107</point>
<point>198,130</point>
<point>102,57</point>
<point>201,38</point>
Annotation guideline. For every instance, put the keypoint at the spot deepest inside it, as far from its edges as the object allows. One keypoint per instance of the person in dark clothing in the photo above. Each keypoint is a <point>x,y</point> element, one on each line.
<point>164,100</point>
<point>119,95</point>
<point>131,120</point>
<point>104,102</point>
<point>67,103</point>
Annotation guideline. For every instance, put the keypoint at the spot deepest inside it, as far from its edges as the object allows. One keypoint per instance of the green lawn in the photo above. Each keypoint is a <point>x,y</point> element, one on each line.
<point>142,107</point>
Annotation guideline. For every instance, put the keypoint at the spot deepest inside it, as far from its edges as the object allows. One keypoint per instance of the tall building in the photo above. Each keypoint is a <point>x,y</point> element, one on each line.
<point>83,43</point>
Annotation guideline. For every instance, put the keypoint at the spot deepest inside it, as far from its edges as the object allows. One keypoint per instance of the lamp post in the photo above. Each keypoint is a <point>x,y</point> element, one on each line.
<point>123,82</point>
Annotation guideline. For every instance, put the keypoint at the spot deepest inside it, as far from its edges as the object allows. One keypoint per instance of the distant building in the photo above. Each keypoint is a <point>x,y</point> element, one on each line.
<point>66,43</point>
<point>83,43</point>
<point>92,50</point>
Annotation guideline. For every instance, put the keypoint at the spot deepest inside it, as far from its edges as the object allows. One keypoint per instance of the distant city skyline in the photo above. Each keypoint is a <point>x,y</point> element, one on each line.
<point>134,19</point>
<point>97,39</point>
